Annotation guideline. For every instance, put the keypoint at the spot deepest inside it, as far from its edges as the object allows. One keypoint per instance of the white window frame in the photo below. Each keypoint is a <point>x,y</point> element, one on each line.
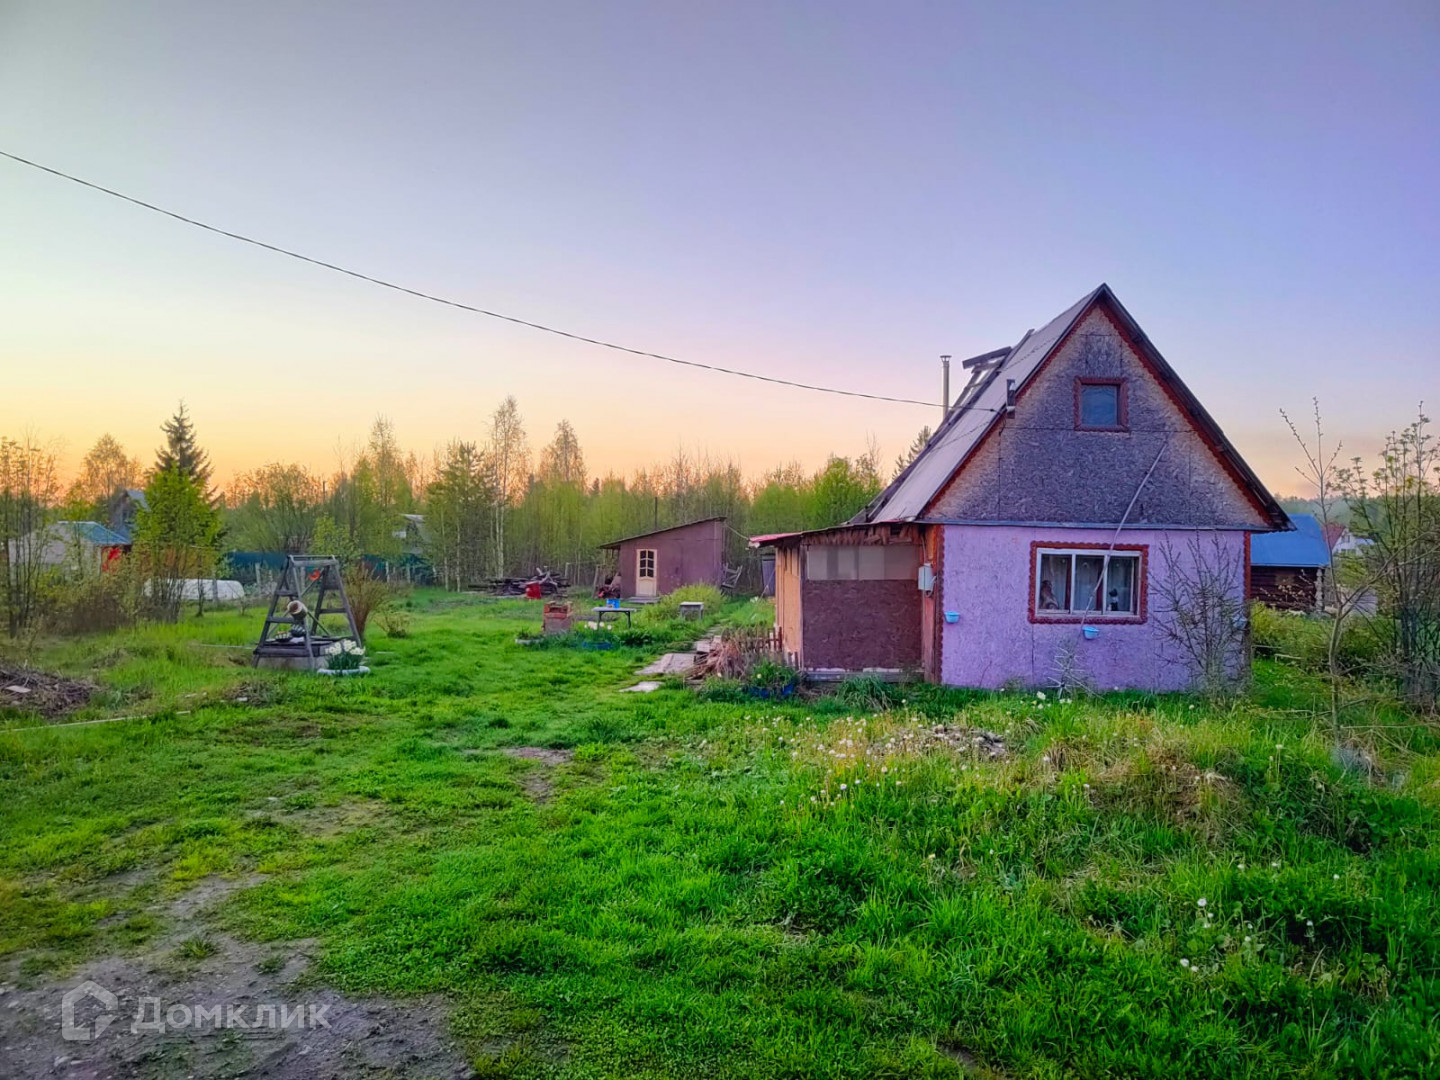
<point>1135,555</point>
<point>640,574</point>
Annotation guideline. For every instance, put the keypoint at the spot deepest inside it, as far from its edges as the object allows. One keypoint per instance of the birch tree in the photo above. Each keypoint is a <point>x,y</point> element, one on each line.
<point>508,455</point>
<point>29,487</point>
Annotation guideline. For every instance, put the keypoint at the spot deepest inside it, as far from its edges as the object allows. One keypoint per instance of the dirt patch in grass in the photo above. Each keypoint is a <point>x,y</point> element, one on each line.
<point>536,781</point>
<point>193,967</point>
<point>40,692</point>
<point>1168,786</point>
<point>539,753</point>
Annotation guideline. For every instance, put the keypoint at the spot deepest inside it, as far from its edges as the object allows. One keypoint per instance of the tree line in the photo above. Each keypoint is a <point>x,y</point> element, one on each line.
<point>471,510</point>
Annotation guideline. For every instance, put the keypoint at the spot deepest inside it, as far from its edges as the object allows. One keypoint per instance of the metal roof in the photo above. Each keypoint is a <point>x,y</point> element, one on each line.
<point>1305,546</point>
<point>983,401</point>
<point>657,532</point>
<point>92,532</point>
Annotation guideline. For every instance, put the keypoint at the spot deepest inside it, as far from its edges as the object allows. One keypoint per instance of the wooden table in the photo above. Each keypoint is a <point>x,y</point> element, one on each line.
<point>601,612</point>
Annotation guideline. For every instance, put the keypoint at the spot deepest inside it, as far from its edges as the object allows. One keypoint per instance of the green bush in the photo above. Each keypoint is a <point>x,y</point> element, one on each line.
<point>668,606</point>
<point>1304,640</point>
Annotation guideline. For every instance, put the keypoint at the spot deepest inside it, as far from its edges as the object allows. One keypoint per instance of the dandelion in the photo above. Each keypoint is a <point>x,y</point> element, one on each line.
<point>1201,902</point>
<point>1184,963</point>
<point>1335,877</point>
<point>1241,866</point>
<point>1275,865</point>
<point>932,855</point>
<point>992,851</point>
<point>1040,695</point>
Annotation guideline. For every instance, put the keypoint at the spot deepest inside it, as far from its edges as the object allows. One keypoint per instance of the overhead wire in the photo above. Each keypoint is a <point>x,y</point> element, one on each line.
<point>433,298</point>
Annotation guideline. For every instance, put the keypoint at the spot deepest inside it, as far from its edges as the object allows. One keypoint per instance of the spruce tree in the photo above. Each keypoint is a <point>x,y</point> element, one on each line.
<point>181,451</point>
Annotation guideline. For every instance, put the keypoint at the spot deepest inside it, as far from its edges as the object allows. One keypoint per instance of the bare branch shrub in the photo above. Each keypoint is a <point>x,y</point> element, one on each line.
<point>1198,602</point>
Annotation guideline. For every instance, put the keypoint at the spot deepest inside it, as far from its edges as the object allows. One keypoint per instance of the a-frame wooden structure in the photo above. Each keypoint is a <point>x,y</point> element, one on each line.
<point>315,581</point>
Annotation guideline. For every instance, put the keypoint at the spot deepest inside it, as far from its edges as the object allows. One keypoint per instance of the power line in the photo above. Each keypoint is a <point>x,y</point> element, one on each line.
<point>451,303</point>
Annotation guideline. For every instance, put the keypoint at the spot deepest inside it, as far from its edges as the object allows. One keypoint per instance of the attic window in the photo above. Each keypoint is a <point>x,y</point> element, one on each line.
<point>1100,405</point>
<point>1076,584</point>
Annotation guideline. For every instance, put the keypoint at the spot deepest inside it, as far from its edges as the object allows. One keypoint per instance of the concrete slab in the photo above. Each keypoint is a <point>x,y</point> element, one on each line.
<point>671,664</point>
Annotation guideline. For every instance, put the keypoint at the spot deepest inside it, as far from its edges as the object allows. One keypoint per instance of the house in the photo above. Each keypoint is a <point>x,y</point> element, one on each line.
<point>1345,542</point>
<point>1287,569</point>
<point>655,563</point>
<point>125,505</point>
<point>1073,483</point>
<point>411,532</point>
<point>82,546</point>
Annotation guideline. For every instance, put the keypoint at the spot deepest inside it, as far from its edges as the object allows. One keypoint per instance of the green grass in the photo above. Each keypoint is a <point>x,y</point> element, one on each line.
<point>699,895</point>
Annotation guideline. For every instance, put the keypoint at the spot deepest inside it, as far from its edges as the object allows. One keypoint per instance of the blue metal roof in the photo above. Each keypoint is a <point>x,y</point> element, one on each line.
<point>94,533</point>
<point>1304,547</point>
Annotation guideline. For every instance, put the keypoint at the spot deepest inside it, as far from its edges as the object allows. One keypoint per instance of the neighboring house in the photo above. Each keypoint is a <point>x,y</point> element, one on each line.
<point>83,546</point>
<point>655,563</point>
<point>125,504</point>
<point>1345,542</point>
<point>1287,569</point>
<point>410,531</point>
<point>1075,478</point>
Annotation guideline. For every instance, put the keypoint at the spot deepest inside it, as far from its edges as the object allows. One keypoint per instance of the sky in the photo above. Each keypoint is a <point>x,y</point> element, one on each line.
<point>830,192</point>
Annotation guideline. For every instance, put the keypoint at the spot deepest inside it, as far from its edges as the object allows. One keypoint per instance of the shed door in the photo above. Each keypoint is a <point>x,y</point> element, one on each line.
<point>645,572</point>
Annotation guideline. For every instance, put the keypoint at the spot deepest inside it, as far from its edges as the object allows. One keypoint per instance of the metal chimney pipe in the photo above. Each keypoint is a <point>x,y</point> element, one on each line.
<point>944,386</point>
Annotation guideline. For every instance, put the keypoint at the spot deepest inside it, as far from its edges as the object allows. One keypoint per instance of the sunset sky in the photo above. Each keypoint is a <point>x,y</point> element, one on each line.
<point>831,192</point>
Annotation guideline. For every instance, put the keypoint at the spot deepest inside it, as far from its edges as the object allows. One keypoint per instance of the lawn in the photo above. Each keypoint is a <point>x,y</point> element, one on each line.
<point>879,882</point>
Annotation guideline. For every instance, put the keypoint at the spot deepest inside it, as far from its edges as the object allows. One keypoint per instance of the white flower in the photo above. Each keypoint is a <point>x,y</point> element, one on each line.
<point>1040,694</point>
<point>1336,877</point>
<point>1185,963</point>
<point>1241,866</point>
<point>1201,902</point>
<point>1276,864</point>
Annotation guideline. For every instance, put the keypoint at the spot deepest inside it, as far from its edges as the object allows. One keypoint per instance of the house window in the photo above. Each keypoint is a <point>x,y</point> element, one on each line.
<point>1100,405</point>
<point>1088,582</point>
<point>862,562</point>
<point>646,568</point>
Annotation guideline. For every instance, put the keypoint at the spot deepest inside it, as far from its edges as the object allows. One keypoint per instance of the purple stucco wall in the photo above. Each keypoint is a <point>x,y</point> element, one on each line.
<point>986,578</point>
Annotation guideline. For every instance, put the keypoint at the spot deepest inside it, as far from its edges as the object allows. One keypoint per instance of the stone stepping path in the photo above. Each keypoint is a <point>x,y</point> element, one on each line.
<point>672,663</point>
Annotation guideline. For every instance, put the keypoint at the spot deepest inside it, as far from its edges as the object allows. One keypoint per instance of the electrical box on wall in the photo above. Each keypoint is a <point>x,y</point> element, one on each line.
<point>926,578</point>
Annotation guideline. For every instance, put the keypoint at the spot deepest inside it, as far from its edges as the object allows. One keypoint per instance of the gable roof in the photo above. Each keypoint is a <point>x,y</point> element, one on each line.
<point>1305,546</point>
<point>982,403</point>
<point>658,532</point>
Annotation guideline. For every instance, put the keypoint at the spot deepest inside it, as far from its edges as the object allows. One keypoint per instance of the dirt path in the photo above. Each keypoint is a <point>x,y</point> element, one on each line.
<point>226,1008</point>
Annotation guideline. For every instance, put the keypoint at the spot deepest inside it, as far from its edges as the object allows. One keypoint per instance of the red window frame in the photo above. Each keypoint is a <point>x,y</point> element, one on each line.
<point>1060,547</point>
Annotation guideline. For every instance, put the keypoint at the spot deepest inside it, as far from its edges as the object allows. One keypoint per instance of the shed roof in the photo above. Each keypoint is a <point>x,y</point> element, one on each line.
<point>658,532</point>
<point>1305,546</point>
<point>983,401</point>
<point>92,532</point>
